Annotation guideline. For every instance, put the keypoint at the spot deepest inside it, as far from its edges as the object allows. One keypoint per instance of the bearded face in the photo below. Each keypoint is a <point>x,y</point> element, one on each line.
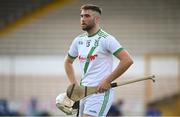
<point>88,26</point>
<point>87,20</point>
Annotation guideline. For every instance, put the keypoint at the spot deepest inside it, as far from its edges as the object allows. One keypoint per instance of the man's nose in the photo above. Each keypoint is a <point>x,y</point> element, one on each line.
<point>82,20</point>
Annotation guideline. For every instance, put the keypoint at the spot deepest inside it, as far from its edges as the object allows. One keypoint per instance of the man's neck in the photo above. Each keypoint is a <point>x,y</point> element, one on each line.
<point>93,31</point>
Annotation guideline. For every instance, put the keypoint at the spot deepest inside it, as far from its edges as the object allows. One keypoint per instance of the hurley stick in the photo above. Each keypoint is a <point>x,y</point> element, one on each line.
<point>76,92</point>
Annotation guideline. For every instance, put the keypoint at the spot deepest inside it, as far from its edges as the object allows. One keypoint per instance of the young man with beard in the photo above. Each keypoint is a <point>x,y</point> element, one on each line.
<point>95,50</point>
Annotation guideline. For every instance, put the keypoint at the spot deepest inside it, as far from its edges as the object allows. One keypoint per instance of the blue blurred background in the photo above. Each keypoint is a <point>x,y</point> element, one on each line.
<point>35,37</point>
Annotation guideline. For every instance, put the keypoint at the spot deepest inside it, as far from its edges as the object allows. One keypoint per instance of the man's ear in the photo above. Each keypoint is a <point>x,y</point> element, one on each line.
<point>97,19</point>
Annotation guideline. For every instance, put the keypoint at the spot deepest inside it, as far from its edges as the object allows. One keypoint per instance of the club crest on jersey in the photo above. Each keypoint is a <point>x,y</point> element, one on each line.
<point>89,58</point>
<point>88,43</point>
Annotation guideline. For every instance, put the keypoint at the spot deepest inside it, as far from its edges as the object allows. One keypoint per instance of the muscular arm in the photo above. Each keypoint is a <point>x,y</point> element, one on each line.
<point>125,62</point>
<point>68,66</point>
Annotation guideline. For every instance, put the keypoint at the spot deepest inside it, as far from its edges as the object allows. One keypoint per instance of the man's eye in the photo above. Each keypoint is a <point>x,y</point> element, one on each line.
<point>86,15</point>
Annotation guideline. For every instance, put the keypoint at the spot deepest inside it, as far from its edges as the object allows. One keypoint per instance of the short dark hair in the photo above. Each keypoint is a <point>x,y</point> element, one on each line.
<point>91,7</point>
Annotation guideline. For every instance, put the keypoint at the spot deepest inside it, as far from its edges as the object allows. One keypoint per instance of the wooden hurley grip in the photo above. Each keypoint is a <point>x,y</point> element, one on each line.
<point>114,84</point>
<point>133,81</point>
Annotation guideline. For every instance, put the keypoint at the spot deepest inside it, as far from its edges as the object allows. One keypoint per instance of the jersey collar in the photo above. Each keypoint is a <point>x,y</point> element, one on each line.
<point>94,33</point>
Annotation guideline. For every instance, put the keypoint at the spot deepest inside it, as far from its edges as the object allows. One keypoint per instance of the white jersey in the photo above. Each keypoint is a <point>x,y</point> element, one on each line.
<point>95,56</point>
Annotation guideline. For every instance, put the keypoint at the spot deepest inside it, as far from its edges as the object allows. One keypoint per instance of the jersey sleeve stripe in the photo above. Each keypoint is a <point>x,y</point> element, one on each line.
<point>117,51</point>
<point>72,57</point>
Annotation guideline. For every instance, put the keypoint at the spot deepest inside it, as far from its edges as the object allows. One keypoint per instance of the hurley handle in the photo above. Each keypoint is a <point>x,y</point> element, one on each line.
<point>115,84</point>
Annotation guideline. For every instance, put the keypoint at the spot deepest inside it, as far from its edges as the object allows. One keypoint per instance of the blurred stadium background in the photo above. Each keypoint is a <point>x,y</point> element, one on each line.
<point>35,36</point>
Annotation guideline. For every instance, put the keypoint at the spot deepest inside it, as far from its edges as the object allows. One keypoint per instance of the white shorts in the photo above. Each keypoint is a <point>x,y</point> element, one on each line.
<point>96,104</point>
